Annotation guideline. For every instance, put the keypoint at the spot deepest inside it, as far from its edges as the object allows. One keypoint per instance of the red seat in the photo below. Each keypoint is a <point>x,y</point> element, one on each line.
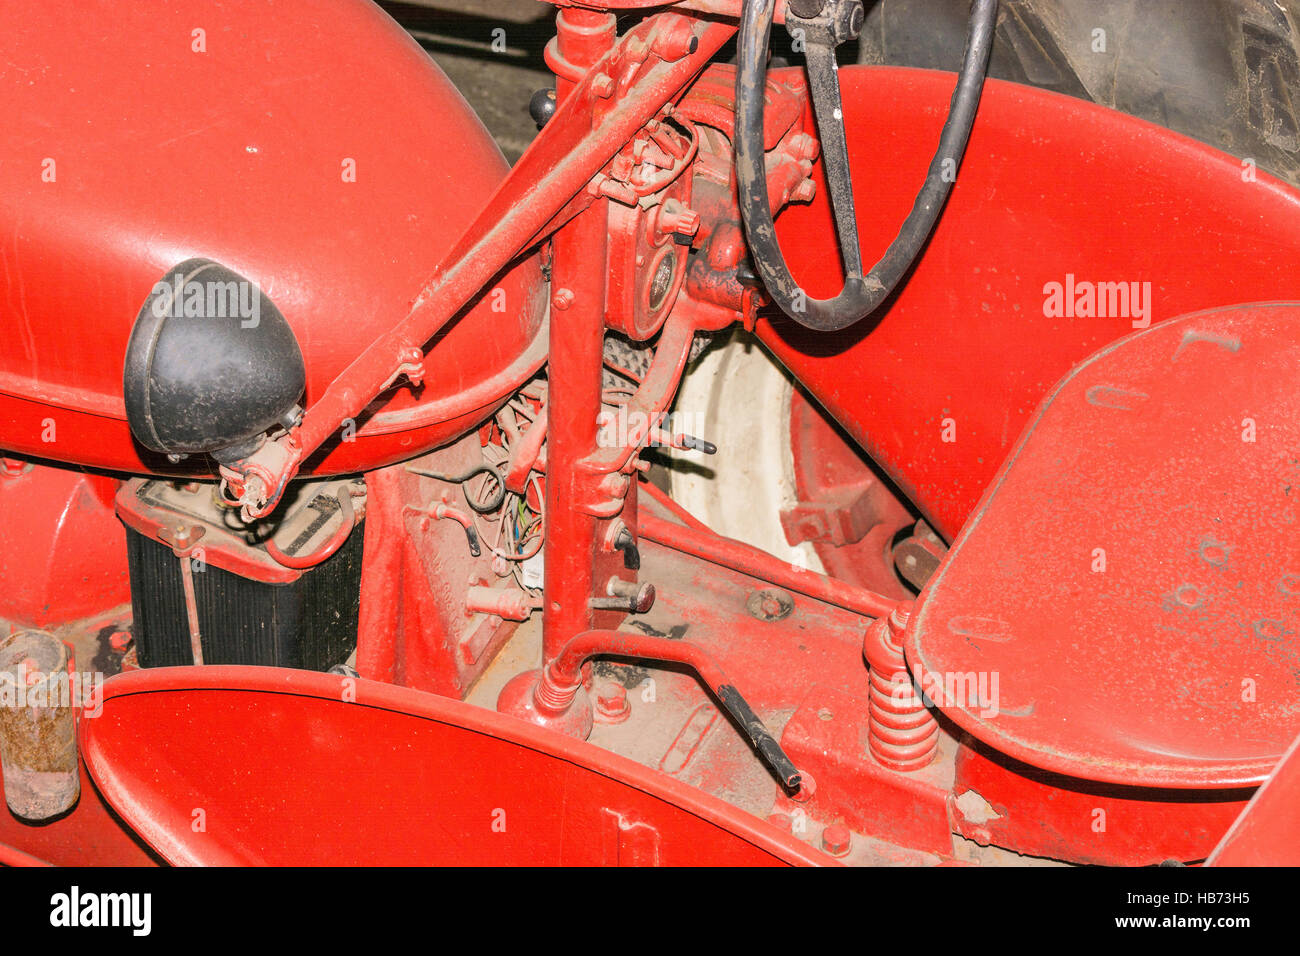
<point>1125,597</point>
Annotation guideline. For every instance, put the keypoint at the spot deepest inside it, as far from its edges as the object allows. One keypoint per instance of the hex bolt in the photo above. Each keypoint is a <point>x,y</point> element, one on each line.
<point>836,840</point>
<point>119,641</point>
<point>602,85</point>
<point>612,705</point>
<point>562,299</point>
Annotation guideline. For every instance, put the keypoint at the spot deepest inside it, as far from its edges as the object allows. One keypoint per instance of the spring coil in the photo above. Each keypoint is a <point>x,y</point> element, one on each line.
<point>902,733</point>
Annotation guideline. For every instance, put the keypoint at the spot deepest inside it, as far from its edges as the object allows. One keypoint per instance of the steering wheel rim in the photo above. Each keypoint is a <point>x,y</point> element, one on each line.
<point>834,23</point>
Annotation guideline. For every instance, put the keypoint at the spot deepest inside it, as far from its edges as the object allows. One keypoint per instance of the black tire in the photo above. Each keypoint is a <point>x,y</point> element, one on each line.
<point>1225,72</point>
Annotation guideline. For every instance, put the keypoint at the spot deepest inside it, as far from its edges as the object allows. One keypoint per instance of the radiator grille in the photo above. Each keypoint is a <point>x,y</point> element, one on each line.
<point>310,624</point>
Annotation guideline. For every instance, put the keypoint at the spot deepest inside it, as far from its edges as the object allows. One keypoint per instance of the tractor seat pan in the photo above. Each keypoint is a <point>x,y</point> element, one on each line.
<point>1126,607</point>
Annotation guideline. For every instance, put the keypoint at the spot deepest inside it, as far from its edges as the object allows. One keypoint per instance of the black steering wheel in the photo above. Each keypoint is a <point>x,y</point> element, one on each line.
<point>825,25</point>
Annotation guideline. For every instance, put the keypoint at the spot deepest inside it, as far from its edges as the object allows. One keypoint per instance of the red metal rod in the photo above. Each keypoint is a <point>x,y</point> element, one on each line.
<point>581,38</point>
<point>578,267</point>
<point>738,556</point>
<point>564,674</point>
<point>655,393</point>
<point>562,678</point>
<point>191,610</point>
<point>303,561</point>
<point>526,455</point>
<point>483,395</point>
<point>555,169</point>
<point>673,508</point>
<point>440,510</point>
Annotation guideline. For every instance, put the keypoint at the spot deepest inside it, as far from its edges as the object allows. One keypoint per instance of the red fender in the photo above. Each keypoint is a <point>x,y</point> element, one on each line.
<point>1050,187</point>
<point>256,765</point>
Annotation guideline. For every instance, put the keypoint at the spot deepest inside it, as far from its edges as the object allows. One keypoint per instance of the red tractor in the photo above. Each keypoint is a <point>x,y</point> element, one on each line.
<point>366,499</point>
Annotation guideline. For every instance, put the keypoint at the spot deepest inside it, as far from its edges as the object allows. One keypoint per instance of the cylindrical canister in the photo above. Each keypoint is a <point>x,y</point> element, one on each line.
<point>38,735</point>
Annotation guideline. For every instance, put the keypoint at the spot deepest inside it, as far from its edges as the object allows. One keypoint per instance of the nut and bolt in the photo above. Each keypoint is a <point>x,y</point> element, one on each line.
<point>770,604</point>
<point>630,597</point>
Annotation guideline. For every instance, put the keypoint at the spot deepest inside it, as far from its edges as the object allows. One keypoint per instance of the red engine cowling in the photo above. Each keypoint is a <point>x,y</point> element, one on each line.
<point>310,145</point>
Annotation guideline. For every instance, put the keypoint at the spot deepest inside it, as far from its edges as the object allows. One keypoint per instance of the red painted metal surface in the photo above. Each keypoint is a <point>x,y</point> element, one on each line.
<point>10,856</point>
<point>267,151</point>
<point>414,627</point>
<point>736,554</point>
<point>90,835</point>
<point>836,490</point>
<point>1132,578</point>
<point>62,551</point>
<point>290,767</point>
<point>1268,832</point>
<point>1050,187</point>
<point>997,801</point>
<point>1127,683</point>
<point>826,737</point>
<point>555,179</point>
